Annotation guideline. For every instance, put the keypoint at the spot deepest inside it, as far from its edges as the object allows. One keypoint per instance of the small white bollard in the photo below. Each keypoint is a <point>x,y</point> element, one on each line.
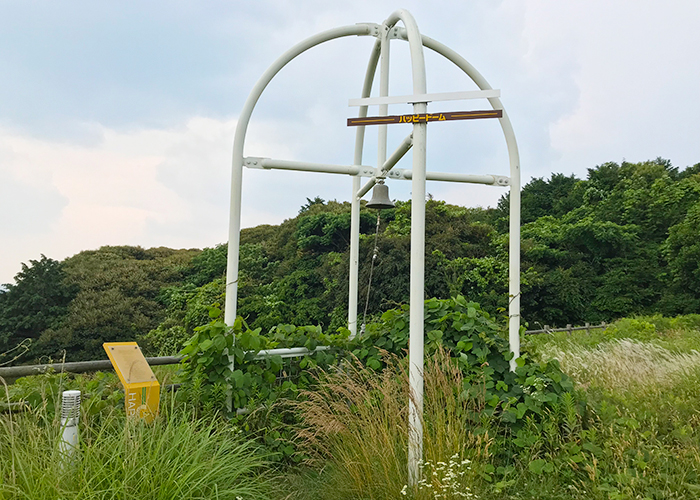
<point>70,414</point>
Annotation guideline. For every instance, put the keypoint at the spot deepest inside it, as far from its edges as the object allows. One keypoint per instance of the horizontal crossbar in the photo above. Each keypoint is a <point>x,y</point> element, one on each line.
<point>366,171</point>
<point>487,179</point>
<point>412,99</point>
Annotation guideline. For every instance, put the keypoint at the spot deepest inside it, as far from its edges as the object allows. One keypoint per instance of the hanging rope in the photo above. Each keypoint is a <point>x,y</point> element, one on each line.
<point>371,271</point>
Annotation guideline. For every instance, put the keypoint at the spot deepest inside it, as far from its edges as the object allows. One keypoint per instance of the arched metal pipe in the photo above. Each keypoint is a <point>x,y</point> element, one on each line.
<point>416,353</point>
<point>234,230</point>
<point>458,60</point>
<point>514,160</point>
<point>417,294</point>
<point>514,228</point>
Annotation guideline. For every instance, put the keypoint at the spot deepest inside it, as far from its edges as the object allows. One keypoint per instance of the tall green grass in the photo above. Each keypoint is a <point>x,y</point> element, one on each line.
<point>677,334</point>
<point>355,429</point>
<point>636,437</point>
<point>642,381</point>
<point>621,366</point>
<point>177,456</point>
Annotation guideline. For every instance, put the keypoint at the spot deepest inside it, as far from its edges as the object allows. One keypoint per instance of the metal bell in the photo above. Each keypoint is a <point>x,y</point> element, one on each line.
<point>380,197</point>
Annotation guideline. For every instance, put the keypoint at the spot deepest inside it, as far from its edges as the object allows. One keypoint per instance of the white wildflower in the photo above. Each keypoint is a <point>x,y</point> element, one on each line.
<point>443,479</point>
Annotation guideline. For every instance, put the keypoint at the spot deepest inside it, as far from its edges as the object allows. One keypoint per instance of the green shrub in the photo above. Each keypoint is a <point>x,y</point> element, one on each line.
<point>482,352</point>
<point>473,338</point>
<point>256,384</point>
<point>631,328</point>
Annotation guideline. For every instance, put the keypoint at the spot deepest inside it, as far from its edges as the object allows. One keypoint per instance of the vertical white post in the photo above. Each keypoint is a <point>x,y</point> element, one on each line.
<point>383,92</point>
<point>234,234</point>
<point>417,296</point>
<point>417,290</point>
<point>354,255</point>
<point>355,202</point>
<point>70,414</point>
<point>514,261</point>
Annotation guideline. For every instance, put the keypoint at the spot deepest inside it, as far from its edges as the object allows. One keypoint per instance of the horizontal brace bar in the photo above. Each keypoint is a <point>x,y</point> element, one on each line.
<point>302,166</point>
<point>412,99</point>
<point>289,352</point>
<point>366,171</point>
<point>491,180</point>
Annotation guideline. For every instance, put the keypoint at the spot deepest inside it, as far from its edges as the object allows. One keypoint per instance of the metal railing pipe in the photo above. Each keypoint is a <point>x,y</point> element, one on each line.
<point>76,367</point>
<point>14,372</point>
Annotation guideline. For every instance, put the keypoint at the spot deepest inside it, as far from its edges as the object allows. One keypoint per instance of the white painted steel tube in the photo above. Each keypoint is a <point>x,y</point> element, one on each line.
<point>289,352</point>
<point>269,163</point>
<point>239,143</point>
<point>398,153</point>
<point>354,267</point>
<point>486,179</point>
<point>514,264</point>
<point>417,287</point>
<point>383,92</point>
<point>452,177</point>
<point>365,189</point>
<point>359,170</point>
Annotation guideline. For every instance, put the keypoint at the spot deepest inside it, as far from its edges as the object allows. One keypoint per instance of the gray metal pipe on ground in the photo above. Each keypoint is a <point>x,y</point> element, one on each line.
<point>76,367</point>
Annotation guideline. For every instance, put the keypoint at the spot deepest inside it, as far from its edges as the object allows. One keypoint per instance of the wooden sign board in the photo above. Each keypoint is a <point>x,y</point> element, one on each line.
<point>425,118</point>
<point>141,388</point>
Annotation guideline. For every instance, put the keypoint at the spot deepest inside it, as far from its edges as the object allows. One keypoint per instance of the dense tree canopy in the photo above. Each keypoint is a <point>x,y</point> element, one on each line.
<point>37,301</point>
<point>625,240</point>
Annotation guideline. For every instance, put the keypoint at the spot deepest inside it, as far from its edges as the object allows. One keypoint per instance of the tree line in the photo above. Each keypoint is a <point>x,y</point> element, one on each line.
<point>623,241</point>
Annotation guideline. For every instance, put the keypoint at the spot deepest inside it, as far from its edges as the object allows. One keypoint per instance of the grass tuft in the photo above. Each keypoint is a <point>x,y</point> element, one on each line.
<point>355,425</point>
<point>624,365</point>
<point>177,456</point>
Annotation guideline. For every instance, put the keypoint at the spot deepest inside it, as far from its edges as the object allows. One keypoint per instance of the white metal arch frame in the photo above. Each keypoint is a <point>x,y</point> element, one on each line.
<point>417,140</point>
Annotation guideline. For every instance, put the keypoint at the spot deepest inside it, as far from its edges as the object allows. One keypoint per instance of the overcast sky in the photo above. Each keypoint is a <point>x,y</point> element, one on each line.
<point>117,118</point>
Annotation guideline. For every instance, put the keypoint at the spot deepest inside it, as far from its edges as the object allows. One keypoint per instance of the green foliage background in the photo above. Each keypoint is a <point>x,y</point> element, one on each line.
<point>624,241</point>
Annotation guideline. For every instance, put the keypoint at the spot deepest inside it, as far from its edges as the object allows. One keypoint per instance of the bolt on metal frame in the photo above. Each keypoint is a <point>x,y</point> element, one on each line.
<point>418,176</point>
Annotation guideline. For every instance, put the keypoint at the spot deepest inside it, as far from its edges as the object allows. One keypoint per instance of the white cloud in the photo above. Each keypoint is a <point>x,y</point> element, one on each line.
<point>112,192</point>
<point>107,149</point>
<point>145,187</point>
<point>636,83</point>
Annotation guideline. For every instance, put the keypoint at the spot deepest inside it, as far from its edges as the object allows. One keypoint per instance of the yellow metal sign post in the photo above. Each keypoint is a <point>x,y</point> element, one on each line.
<point>141,388</point>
